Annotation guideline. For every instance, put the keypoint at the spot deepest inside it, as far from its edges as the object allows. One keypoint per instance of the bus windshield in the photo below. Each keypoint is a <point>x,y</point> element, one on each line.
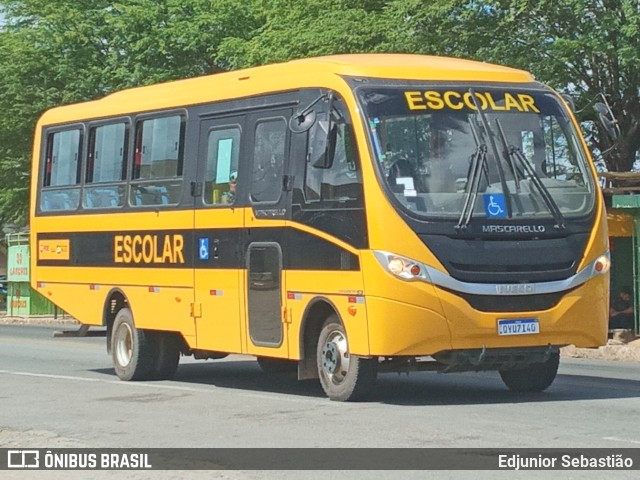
<point>483,152</point>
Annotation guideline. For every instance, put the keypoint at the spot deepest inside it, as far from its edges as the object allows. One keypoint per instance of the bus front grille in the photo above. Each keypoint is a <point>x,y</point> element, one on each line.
<point>513,303</point>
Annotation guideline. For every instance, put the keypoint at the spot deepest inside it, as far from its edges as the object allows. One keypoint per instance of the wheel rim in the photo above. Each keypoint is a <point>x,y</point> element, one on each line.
<point>124,344</point>
<point>335,357</point>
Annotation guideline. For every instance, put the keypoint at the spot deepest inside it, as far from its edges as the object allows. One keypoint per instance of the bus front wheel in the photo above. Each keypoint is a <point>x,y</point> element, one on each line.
<point>344,377</point>
<point>533,378</point>
<point>131,348</point>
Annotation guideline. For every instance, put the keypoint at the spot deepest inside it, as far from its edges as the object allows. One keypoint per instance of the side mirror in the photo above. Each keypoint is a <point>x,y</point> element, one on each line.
<point>607,119</point>
<point>303,120</point>
<point>322,144</point>
<point>323,137</point>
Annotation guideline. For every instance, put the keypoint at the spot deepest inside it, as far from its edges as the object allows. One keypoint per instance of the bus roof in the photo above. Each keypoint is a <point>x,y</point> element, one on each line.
<point>308,72</point>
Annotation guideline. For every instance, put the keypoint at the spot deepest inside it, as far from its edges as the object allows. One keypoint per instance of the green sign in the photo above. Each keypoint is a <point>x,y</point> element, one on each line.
<point>19,301</point>
<point>18,263</point>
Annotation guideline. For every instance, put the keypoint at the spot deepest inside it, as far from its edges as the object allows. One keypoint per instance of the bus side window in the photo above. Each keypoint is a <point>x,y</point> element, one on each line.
<point>341,185</point>
<point>223,152</point>
<point>61,183</point>
<point>157,165</point>
<point>106,167</point>
<point>268,160</point>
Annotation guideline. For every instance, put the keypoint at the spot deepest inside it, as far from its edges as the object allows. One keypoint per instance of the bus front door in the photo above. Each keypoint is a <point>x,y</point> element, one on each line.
<point>266,232</point>
<point>218,229</point>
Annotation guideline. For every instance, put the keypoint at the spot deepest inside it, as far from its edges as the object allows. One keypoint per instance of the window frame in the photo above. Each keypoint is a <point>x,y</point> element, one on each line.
<point>237,127</point>
<point>137,136</point>
<point>46,153</point>
<point>350,146</point>
<point>285,155</point>
<point>122,184</point>
<point>91,128</point>
<point>138,133</point>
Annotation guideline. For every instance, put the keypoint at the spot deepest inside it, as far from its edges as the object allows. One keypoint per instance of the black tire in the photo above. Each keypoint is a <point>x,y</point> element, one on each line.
<point>343,377</point>
<point>131,348</point>
<point>277,366</point>
<point>533,378</point>
<point>166,355</point>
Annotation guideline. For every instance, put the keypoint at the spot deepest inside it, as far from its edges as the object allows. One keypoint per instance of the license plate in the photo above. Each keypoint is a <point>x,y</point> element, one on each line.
<point>518,326</point>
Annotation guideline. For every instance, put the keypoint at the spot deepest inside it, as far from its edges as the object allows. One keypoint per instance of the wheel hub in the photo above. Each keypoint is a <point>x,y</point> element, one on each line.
<point>124,345</point>
<point>335,357</point>
<point>330,358</point>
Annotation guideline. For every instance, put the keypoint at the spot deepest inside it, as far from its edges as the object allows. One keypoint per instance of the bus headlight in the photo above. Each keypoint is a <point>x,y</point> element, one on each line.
<point>602,264</point>
<point>401,267</point>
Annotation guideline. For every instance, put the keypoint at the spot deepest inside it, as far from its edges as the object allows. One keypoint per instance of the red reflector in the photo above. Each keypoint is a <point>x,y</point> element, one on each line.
<point>353,300</point>
<point>291,295</point>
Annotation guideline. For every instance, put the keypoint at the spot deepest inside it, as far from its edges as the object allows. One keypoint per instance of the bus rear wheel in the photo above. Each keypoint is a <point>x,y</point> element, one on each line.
<point>533,378</point>
<point>132,349</point>
<point>344,377</point>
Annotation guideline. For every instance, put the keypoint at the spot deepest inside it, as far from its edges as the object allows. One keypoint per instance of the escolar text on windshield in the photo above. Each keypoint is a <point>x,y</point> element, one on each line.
<point>453,100</point>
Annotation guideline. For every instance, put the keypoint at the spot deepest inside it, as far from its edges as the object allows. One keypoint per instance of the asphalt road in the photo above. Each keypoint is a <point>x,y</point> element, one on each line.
<point>63,392</point>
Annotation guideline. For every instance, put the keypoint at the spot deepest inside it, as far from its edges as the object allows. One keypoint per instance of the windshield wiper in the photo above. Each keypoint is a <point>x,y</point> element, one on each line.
<point>474,174</point>
<point>514,153</point>
<point>477,166</point>
<point>494,148</point>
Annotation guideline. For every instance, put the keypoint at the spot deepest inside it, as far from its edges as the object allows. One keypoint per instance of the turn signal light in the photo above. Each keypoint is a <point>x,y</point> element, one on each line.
<point>602,264</point>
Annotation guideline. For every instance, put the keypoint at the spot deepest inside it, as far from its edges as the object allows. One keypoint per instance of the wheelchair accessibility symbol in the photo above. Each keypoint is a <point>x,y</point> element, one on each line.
<point>495,205</point>
<point>203,248</point>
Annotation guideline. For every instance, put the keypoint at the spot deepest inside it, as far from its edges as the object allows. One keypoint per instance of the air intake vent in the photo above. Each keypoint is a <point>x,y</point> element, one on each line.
<point>513,303</point>
<point>495,268</point>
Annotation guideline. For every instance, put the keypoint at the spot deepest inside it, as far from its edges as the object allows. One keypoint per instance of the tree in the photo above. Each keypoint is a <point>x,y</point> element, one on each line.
<point>587,47</point>
<point>581,47</point>
<point>291,29</point>
<point>67,51</point>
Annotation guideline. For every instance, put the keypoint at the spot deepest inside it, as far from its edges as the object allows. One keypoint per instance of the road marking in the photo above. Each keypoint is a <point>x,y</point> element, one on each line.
<point>266,395</point>
<point>75,342</point>
<point>626,440</point>
<point>46,375</point>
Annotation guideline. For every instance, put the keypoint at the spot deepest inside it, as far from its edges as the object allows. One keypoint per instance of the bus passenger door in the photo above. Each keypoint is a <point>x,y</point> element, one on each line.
<point>266,232</point>
<point>218,224</point>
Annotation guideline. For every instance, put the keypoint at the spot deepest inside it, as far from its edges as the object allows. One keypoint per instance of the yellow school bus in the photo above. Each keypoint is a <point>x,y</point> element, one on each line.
<point>343,215</point>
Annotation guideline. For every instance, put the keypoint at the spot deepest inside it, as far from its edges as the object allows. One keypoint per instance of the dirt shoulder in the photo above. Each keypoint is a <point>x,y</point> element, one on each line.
<point>626,352</point>
<point>62,320</point>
